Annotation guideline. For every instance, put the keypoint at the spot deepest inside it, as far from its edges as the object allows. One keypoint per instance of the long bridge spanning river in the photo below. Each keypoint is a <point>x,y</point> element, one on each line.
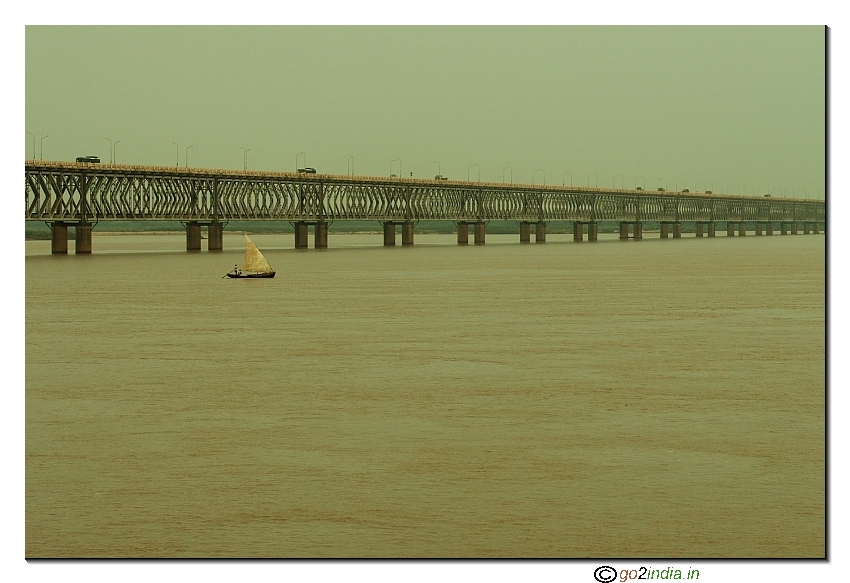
<point>66,194</point>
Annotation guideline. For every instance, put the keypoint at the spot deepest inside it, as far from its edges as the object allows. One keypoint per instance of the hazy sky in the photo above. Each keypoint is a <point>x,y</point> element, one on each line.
<point>744,106</point>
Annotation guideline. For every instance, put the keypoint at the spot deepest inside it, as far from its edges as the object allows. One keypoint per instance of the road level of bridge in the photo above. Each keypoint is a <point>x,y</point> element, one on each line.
<point>582,230</point>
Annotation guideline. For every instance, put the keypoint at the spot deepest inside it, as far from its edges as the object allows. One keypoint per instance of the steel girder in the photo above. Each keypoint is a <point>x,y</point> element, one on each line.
<point>56,191</point>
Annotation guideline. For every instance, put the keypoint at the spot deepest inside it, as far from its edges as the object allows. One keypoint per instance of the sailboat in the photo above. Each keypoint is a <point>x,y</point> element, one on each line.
<point>255,265</point>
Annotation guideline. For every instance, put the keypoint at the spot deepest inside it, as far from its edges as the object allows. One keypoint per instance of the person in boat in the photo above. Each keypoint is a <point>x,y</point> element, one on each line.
<point>235,270</point>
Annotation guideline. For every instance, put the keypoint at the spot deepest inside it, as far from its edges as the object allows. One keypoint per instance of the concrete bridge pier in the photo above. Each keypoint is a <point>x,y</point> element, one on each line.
<point>784,227</point>
<point>730,229</point>
<point>578,232</point>
<point>815,228</point>
<point>193,236</point>
<point>389,234</point>
<point>540,232</point>
<point>480,229</point>
<point>794,227</point>
<point>320,235</point>
<point>665,229</point>
<point>769,228</point>
<point>758,228</point>
<point>407,233</point>
<point>301,235</point>
<point>711,228</point>
<point>592,231</point>
<point>638,235</point>
<point>525,232</point>
<point>59,238</point>
<point>463,233</point>
<point>215,236</point>
<point>624,231</point>
<point>677,230</point>
<point>742,228</point>
<point>83,245</point>
<point>698,228</point>
<point>805,228</point>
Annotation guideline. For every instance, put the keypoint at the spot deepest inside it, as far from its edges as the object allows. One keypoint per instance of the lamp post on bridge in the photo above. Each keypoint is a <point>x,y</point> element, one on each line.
<point>186,156</point>
<point>479,172</point>
<point>33,145</point>
<point>399,167</point>
<point>544,176</point>
<point>115,145</point>
<point>245,157</point>
<point>110,150</point>
<point>595,180</point>
<point>42,146</point>
<point>296,159</point>
<point>503,174</point>
<point>564,180</point>
<point>177,148</point>
<point>350,165</point>
<point>438,168</point>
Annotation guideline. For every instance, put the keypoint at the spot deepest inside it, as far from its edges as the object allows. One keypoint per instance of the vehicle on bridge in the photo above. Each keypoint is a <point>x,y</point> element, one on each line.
<point>88,159</point>
<point>307,170</point>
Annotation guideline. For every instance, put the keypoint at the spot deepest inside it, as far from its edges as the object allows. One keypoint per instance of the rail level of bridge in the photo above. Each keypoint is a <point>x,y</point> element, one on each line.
<point>82,195</point>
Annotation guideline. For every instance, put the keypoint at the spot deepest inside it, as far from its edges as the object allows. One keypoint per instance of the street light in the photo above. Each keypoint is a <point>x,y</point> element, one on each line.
<point>438,168</point>
<point>564,180</point>
<point>350,165</point>
<point>296,160</point>
<point>113,150</point>
<point>614,181</point>
<point>178,153</point>
<point>110,149</point>
<point>399,166</point>
<point>33,145</point>
<point>677,185</point>
<point>595,180</point>
<point>503,174</point>
<point>245,157</point>
<point>535,172</point>
<point>479,172</point>
<point>42,146</point>
<point>186,156</point>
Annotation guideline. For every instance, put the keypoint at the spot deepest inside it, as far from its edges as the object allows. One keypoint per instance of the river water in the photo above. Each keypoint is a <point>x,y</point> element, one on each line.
<point>654,399</point>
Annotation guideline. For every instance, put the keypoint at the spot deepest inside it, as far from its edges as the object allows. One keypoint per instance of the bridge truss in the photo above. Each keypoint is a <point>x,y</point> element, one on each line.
<point>81,193</point>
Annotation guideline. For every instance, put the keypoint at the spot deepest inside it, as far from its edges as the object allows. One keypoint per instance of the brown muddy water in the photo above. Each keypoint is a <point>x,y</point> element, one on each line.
<point>655,399</point>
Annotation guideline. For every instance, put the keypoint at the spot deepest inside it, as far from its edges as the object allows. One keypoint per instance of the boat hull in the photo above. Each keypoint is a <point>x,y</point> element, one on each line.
<point>250,275</point>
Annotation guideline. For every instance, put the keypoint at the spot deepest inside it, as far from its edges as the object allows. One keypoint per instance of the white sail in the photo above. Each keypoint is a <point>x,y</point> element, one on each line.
<point>254,260</point>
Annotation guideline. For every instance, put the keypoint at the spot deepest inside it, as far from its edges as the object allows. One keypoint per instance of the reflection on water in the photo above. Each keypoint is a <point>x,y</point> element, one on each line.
<point>661,398</point>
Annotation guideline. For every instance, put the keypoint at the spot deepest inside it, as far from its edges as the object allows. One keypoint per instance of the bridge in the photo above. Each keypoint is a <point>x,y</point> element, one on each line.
<point>64,194</point>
